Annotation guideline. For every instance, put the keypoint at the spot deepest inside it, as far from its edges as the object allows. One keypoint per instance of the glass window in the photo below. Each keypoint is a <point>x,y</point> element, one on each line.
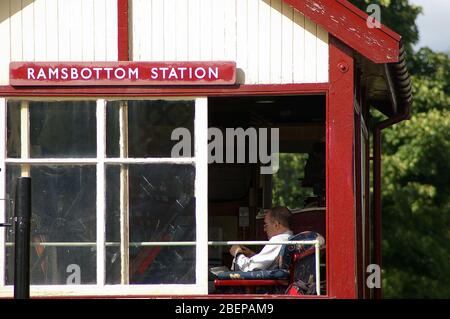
<point>57,129</point>
<point>63,213</point>
<point>110,206</point>
<point>150,126</point>
<point>161,209</point>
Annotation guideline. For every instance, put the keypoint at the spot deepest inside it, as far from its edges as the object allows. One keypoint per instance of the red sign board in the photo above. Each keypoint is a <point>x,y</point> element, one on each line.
<point>122,73</point>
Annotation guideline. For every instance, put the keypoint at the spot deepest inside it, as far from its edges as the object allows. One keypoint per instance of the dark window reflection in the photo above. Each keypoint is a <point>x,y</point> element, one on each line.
<point>13,129</point>
<point>64,211</point>
<point>63,129</point>
<point>162,208</point>
<point>162,202</point>
<point>150,126</point>
<point>163,265</point>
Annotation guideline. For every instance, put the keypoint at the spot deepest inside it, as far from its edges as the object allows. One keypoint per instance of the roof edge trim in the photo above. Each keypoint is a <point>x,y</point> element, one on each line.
<point>349,24</point>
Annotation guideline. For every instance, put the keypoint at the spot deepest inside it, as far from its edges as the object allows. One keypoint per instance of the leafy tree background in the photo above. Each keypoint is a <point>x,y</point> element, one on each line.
<point>286,187</point>
<point>416,170</point>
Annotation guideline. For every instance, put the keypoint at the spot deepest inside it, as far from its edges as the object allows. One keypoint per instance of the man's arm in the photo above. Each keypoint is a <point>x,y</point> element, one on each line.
<point>261,261</point>
<point>248,252</point>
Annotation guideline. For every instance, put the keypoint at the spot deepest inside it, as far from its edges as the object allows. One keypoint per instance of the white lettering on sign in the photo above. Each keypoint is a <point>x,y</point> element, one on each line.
<point>122,73</point>
<point>198,73</point>
<point>85,73</point>
<point>97,73</point>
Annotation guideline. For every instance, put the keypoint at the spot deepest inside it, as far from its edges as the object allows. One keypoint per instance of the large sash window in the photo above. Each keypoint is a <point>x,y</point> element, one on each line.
<point>112,210</point>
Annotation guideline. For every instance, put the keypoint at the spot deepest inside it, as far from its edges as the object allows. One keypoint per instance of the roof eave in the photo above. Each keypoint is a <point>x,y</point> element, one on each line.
<point>349,24</point>
<point>380,45</point>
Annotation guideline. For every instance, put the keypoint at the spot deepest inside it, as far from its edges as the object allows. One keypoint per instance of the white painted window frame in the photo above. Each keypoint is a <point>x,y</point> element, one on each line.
<point>200,161</point>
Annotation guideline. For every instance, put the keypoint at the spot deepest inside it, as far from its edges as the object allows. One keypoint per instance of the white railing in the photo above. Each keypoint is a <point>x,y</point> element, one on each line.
<point>315,242</point>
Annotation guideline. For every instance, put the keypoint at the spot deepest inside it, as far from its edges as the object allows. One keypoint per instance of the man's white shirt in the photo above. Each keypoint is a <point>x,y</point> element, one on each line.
<point>265,259</point>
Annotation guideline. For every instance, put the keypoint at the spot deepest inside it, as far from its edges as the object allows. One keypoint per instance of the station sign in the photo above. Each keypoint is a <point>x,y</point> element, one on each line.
<point>122,73</point>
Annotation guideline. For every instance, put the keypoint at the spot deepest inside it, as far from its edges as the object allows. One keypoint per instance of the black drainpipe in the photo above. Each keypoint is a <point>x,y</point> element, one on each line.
<point>403,92</point>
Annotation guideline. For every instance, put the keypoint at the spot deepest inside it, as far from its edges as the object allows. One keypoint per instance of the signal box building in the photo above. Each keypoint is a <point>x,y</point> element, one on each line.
<point>158,133</point>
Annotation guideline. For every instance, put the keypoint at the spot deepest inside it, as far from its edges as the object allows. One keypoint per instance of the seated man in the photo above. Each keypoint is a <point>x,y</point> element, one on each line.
<point>277,227</point>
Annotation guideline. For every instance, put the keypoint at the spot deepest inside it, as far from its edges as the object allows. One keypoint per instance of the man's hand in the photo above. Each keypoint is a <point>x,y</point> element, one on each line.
<point>247,252</point>
<point>235,249</point>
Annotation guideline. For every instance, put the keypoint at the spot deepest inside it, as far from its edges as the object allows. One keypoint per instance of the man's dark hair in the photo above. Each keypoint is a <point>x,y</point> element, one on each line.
<point>281,214</point>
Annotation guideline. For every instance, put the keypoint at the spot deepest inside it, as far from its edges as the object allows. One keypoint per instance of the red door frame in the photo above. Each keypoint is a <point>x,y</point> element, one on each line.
<point>341,215</point>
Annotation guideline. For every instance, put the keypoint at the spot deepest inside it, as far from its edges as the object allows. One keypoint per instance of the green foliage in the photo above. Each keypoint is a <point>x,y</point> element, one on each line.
<point>416,181</point>
<point>416,171</point>
<point>431,74</point>
<point>416,207</point>
<point>286,187</point>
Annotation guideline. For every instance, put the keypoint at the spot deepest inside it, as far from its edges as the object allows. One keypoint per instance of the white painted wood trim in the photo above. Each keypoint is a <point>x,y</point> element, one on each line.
<point>76,37</point>
<point>16,31</point>
<point>310,69</point>
<point>5,36</point>
<point>269,42</point>
<point>218,29</point>
<point>68,161</point>
<point>287,54</point>
<point>241,36</point>
<point>253,57</point>
<point>201,192</point>
<point>39,29</point>
<point>194,30</point>
<point>205,30</point>
<point>52,42</point>
<point>124,198</point>
<point>264,42</point>
<point>322,55</point>
<point>181,30</point>
<point>276,43</point>
<point>87,30</point>
<point>108,290</point>
<point>154,27</point>
<point>28,34</point>
<point>64,31</point>
<point>230,30</point>
<point>298,65</point>
<point>112,50</point>
<point>109,99</point>
<point>100,30</point>
<point>101,191</point>
<point>170,42</point>
<point>3,200</point>
<point>25,137</point>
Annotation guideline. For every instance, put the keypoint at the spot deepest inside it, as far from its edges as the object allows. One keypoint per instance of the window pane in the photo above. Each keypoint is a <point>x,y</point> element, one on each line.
<point>63,211</point>
<point>13,131</point>
<point>113,203</point>
<point>112,129</point>
<point>113,258</point>
<point>289,188</point>
<point>162,265</point>
<point>113,265</point>
<point>161,208</point>
<point>56,265</point>
<point>150,126</point>
<point>63,129</point>
<point>162,202</point>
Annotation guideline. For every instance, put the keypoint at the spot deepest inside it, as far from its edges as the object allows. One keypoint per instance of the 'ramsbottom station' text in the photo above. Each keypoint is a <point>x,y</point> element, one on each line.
<point>120,73</point>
